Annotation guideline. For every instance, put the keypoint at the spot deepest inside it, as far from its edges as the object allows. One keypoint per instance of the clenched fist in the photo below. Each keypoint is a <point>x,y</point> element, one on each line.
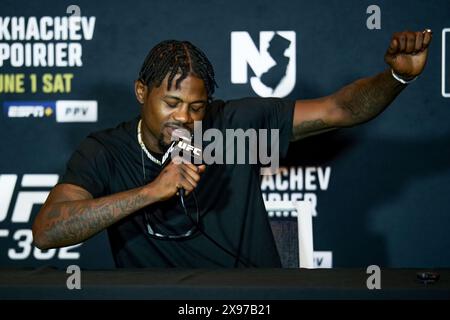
<point>175,176</point>
<point>407,53</point>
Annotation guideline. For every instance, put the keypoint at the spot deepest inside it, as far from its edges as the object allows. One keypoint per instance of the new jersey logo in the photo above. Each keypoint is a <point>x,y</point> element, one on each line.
<point>273,64</point>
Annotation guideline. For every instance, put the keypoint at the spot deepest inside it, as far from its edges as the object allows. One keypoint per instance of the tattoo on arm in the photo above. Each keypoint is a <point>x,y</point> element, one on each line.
<point>75,221</point>
<point>366,98</point>
<point>308,126</point>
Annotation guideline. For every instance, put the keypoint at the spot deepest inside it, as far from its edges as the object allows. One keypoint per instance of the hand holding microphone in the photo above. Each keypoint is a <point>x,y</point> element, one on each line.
<point>179,174</point>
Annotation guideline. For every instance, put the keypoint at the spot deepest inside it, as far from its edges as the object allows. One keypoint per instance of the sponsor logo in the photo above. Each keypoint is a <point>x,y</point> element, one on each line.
<point>273,63</point>
<point>323,259</point>
<point>65,110</point>
<point>29,109</point>
<point>76,111</point>
<point>33,190</point>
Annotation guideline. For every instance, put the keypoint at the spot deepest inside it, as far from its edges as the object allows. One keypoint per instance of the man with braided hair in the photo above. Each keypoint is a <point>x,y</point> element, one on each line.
<point>115,181</point>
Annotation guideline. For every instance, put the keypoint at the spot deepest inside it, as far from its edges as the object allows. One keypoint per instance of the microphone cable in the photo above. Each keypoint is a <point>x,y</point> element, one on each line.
<point>196,224</point>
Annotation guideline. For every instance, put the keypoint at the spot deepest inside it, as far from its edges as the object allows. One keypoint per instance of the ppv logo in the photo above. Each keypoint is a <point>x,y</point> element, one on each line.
<point>323,259</point>
<point>25,201</point>
<point>76,111</point>
<point>274,63</point>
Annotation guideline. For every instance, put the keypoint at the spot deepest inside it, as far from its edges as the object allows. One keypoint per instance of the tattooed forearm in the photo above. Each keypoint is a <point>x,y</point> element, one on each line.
<point>307,126</point>
<point>72,222</point>
<point>366,98</point>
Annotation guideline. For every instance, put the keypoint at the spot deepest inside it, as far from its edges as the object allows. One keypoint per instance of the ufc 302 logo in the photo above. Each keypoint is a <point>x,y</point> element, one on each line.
<point>274,63</point>
<point>26,198</point>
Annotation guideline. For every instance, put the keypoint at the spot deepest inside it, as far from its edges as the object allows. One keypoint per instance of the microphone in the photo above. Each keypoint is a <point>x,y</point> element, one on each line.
<point>183,147</point>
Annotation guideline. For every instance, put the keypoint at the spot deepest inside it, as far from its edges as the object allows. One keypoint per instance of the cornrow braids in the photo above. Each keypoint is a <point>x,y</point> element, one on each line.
<point>172,57</point>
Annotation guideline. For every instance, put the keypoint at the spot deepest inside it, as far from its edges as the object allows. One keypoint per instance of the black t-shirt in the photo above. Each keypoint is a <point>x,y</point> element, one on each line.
<point>229,196</point>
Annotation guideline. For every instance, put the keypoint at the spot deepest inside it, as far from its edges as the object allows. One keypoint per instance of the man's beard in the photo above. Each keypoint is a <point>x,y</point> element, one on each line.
<point>162,144</point>
<point>185,132</point>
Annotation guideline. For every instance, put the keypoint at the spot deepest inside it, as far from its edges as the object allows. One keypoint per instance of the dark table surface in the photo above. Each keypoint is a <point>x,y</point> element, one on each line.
<point>230,284</point>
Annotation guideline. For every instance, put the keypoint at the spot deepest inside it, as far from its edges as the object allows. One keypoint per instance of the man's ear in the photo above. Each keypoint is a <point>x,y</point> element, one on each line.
<point>140,90</point>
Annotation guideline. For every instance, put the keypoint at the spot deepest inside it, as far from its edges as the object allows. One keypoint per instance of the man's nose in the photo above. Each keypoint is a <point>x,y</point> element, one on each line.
<point>181,114</point>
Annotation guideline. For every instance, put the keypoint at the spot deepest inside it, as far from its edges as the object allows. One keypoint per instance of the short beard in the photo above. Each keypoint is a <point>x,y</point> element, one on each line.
<point>164,146</point>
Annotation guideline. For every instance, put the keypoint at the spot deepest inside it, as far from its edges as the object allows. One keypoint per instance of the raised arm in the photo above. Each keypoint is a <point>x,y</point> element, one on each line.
<point>366,98</point>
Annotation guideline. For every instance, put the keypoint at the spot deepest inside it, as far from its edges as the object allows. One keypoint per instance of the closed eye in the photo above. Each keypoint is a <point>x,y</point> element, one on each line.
<point>197,108</point>
<point>171,105</point>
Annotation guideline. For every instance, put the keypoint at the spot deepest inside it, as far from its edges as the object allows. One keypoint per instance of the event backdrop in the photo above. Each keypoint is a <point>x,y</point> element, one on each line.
<point>380,190</point>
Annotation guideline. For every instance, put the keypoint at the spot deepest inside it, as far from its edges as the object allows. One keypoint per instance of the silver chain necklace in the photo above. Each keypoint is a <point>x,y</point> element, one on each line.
<point>139,137</point>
